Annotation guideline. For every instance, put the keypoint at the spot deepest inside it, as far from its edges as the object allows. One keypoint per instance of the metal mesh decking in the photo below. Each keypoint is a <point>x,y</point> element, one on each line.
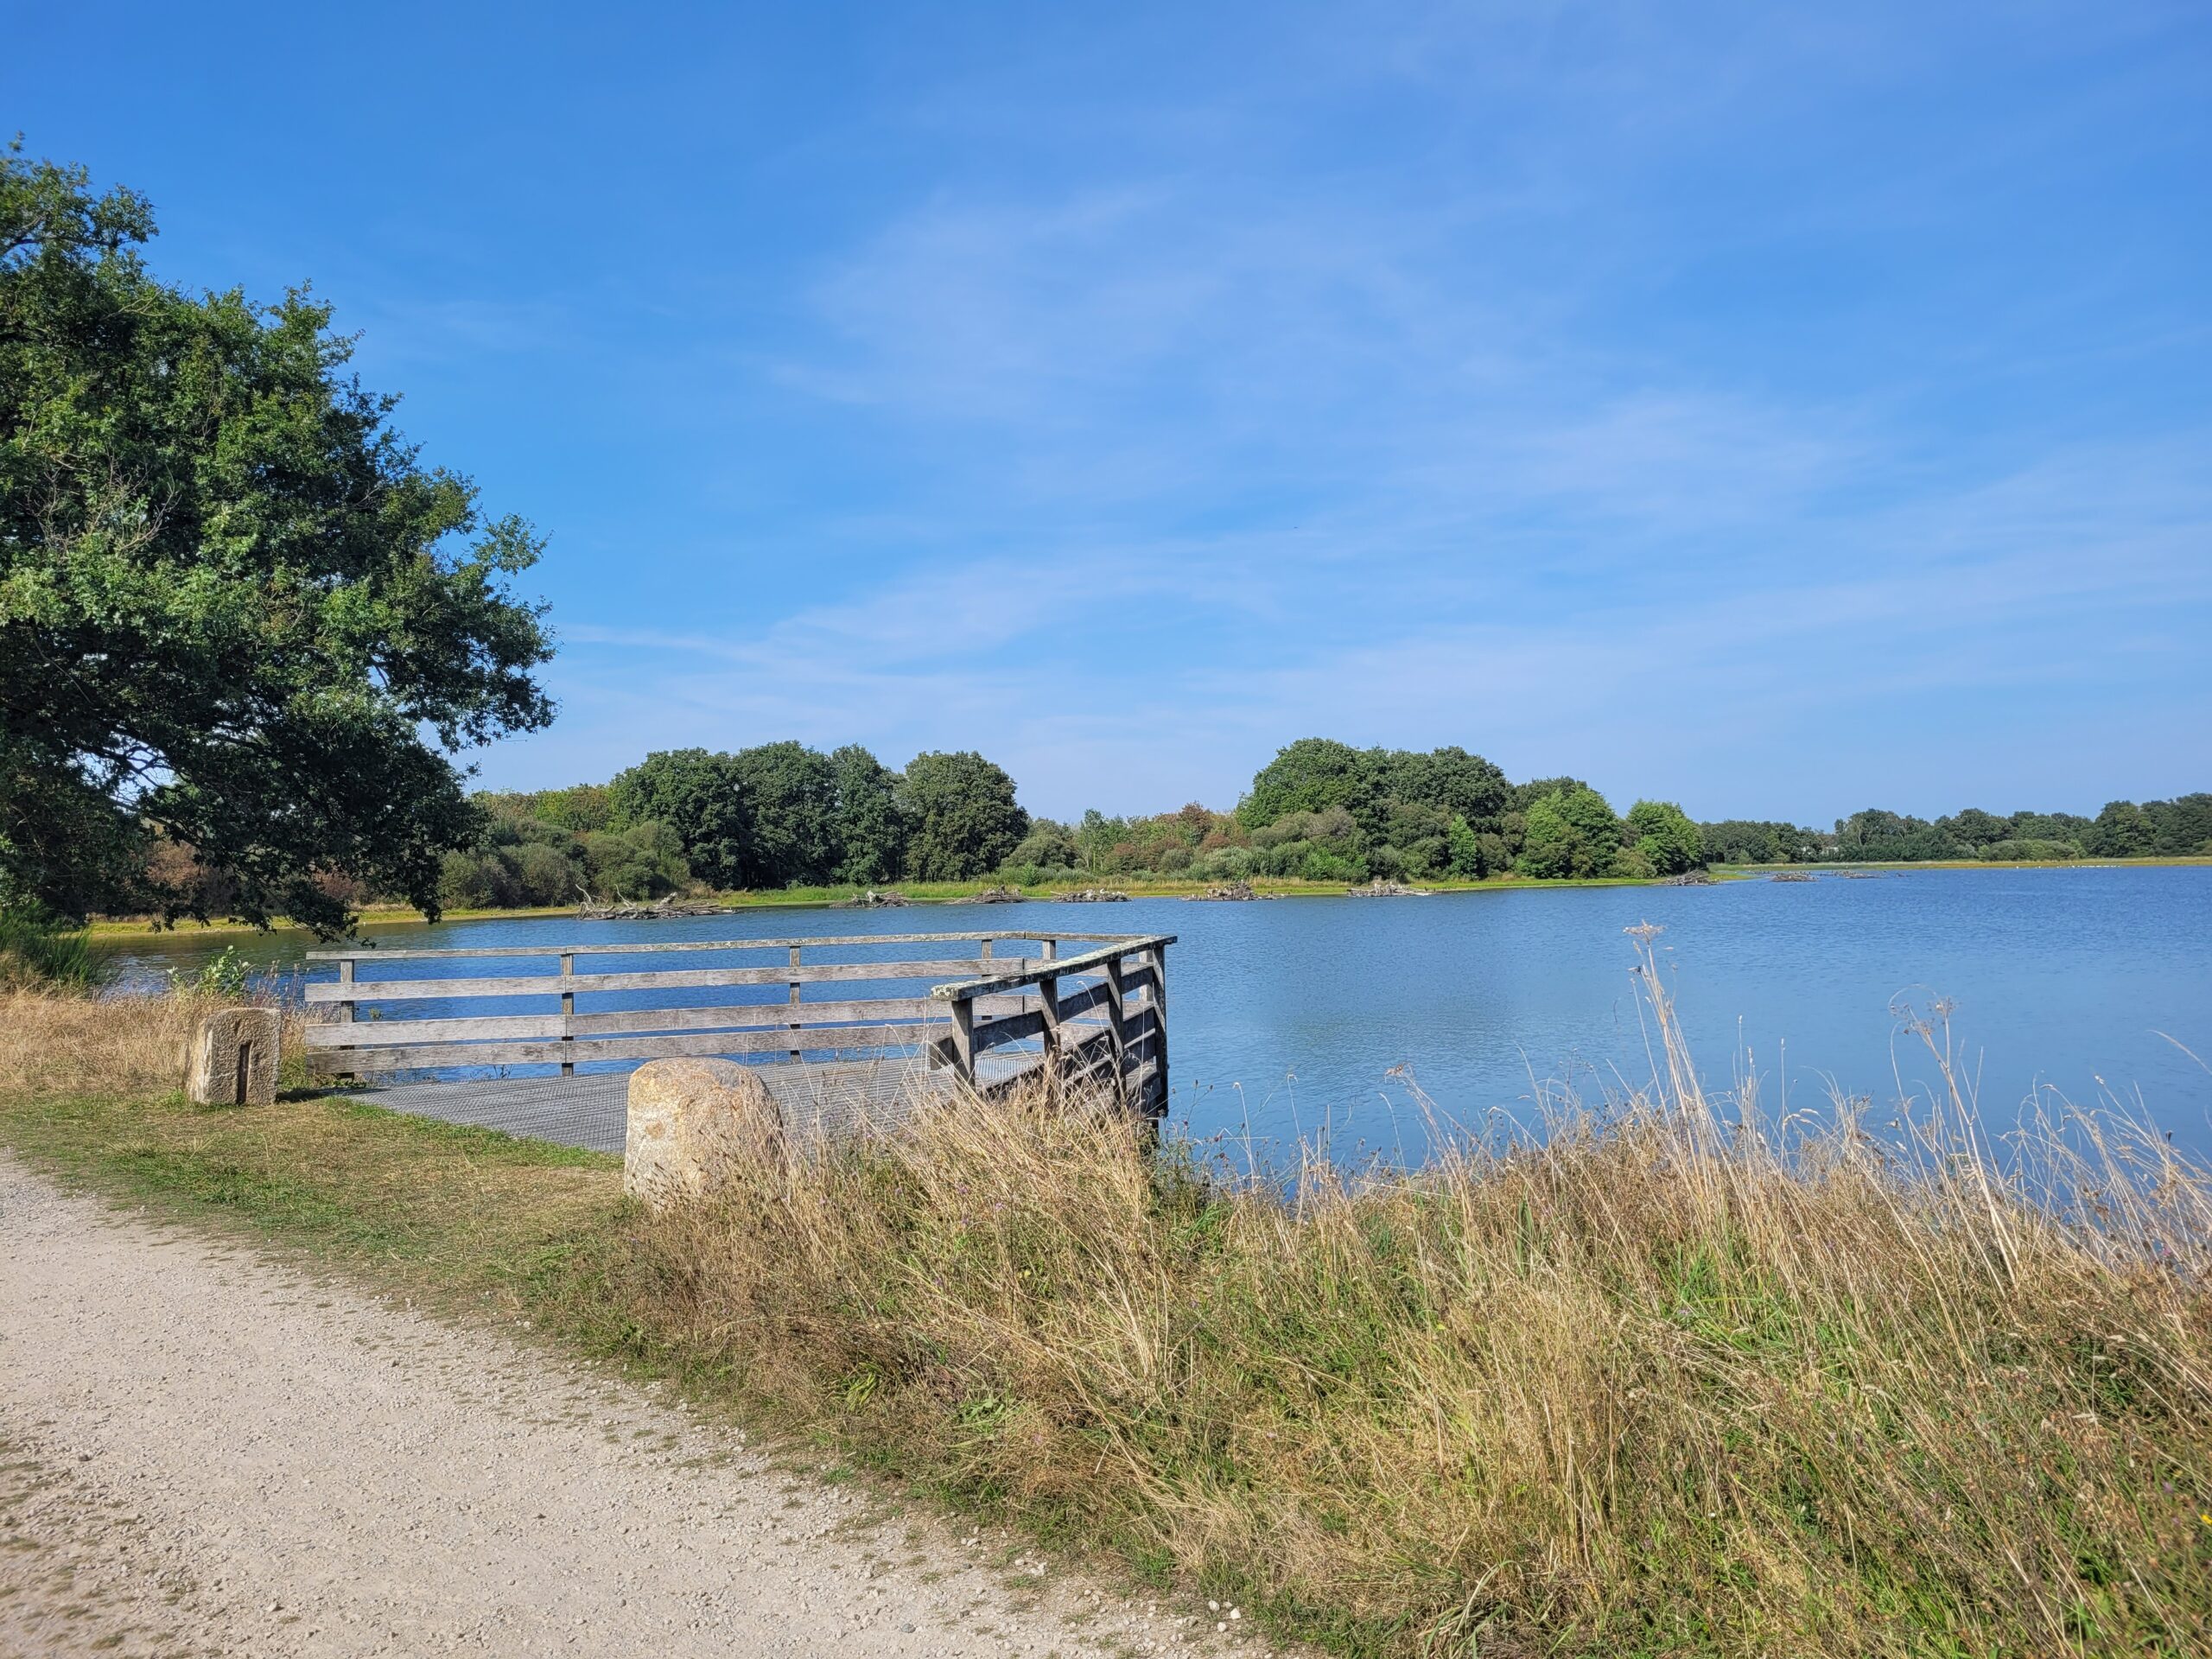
<point>818,1101</point>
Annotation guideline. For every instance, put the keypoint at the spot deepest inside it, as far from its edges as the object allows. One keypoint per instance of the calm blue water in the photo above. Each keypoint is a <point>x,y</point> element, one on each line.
<point>1292,1015</point>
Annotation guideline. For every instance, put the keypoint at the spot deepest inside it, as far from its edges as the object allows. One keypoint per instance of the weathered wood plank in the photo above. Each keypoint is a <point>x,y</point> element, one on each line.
<point>386,1033</point>
<point>752,1016</point>
<point>1087,961</point>
<point>996,1033</point>
<point>672,946</point>
<point>403,990</point>
<point>1093,996</point>
<point>432,1056</point>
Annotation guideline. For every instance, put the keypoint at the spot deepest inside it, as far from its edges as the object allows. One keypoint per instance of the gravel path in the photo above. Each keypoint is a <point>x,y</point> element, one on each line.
<point>204,1452</point>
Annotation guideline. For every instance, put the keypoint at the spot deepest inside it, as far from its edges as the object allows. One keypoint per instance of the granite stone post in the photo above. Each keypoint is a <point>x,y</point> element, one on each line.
<point>234,1058</point>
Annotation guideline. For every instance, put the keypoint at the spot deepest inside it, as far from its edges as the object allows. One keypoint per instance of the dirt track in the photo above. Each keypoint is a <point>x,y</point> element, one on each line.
<point>204,1452</point>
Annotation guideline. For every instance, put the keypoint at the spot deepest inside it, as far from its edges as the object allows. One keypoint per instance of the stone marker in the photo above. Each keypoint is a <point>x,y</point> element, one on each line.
<point>693,1124</point>
<point>234,1058</point>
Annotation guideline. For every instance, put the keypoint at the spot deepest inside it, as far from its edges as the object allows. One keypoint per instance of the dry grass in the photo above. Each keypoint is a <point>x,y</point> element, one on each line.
<point>59,1042</point>
<point>62,1042</point>
<point>1657,1384</point>
<point>1671,1380</point>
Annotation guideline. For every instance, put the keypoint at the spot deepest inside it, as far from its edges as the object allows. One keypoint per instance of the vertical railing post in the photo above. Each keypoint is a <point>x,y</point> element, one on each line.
<point>345,1014</point>
<point>795,1054</point>
<point>1159,1107</point>
<point>1048,1008</point>
<point>1117,1026</point>
<point>963,1040</point>
<point>568,1009</point>
<point>1160,1023</point>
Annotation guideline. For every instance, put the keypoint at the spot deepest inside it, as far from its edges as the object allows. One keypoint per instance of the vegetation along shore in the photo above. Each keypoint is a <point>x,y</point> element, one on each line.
<point>782,824</point>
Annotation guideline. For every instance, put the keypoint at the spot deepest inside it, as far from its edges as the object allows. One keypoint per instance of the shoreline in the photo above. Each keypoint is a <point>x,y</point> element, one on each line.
<point>961,893</point>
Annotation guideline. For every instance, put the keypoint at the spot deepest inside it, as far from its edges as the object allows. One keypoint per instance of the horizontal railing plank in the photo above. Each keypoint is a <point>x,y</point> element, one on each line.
<point>841,940</point>
<point>433,1056</point>
<point>749,1016</point>
<point>1095,996</point>
<point>824,973</point>
<point>384,1033</point>
<point>1032,971</point>
<point>997,1033</point>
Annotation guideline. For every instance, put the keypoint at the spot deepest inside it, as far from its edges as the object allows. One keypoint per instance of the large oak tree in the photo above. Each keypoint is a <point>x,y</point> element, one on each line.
<point>237,612</point>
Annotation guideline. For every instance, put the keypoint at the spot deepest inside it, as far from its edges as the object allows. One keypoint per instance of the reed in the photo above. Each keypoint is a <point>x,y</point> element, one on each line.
<point>1668,1378</point>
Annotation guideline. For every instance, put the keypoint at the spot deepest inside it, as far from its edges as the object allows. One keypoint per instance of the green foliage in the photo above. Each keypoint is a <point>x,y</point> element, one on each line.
<point>1571,834</point>
<point>790,796</point>
<point>581,808</point>
<point>1743,841</point>
<point>1975,828</point>
<point>35,950</point>
<point>1397,798</point>
<point>1048,845</point>
<point>644,860</point>
<point>1464,852</point>
<point>2120,831</point>
<point>223,978</point>
<point>870,827</point>
<point>963,814</point>
<point>2028,851</point>
<point>1309,776</point>
<point>1663,836</point>
<point>1876,836</point>
<point>235,610</point>
<point>700,796</point>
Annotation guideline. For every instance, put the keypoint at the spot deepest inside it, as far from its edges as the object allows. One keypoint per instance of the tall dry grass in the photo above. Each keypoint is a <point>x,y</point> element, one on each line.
<point>1668,1379</point>
<point>57,1042</point>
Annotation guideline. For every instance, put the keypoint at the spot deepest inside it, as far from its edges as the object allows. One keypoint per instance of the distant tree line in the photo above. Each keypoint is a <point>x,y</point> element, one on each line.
<point>1324,811</point>
<point>2176,828</point>
<point>782,814</point>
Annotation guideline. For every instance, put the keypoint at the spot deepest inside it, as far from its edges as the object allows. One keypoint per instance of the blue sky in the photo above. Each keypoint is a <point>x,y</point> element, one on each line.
<point>1776,408</point>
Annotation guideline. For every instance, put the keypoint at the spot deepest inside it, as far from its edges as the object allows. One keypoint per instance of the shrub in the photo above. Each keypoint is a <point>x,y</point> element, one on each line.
<point>644,862</point>
<point>1226,864</point>
<point>1665,840</point>
<point>1047,843</point>
<point>1322,865</point>
<point>465,881</point>
<point>1570,833</point>
<point>2014,851</point>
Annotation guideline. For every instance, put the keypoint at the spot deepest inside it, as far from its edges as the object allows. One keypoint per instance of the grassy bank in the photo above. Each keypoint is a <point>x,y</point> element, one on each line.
<point>953,893</point>
<point>1653,1387</point>
<point>917,893</point>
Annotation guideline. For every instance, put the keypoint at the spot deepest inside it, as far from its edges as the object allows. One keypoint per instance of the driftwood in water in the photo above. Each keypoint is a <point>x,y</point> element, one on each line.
<point>1378,888</point>
<point>1230,893</point>
<point>629,910</point>
<point>999,896</point>
<point>1792,875</point>
<point>1687,879</point>
<point>873,900</point>
<point>1093,896</point>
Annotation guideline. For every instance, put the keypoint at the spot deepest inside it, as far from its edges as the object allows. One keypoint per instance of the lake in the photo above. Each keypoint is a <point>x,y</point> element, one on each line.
<point>1299,1013</point>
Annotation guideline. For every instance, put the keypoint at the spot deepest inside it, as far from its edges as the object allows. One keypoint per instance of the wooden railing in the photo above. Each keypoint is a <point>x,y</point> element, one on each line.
<point>1098,1014</point>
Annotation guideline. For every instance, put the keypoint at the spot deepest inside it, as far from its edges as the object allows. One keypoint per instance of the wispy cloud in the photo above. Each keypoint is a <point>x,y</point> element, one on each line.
<point>1683,403</point>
